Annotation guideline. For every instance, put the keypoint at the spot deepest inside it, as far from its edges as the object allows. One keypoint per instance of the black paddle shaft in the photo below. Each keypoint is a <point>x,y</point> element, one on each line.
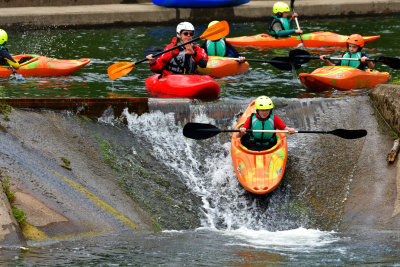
<point>299,57</point>
<point>169,50</point>
<point>201,131</point>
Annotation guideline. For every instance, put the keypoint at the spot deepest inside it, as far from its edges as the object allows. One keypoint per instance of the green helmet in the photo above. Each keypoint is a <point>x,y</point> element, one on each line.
<point>3,36</point>
<point>280,7</point>
<point>212,23</point>
<point>263,102</point>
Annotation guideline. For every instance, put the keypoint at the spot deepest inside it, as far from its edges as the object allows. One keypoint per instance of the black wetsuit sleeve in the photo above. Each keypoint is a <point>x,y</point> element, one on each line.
<point>204,46</point>
<point>202,63</point>
<point>230,50</point>
<point>5,54</point>
<point>363,66</point>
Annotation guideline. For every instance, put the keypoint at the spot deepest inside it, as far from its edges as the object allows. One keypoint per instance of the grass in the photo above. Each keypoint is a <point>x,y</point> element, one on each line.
<point>19,215</point>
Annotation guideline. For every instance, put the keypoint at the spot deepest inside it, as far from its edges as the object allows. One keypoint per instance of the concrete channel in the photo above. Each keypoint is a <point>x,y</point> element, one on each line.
<point>85,13</point>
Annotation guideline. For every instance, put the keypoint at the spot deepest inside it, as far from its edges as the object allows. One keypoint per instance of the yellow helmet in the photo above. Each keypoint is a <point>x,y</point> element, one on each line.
<point>212,23</point>
<point>280,7</point>
<point>3,36</point>
<point>263,102</point>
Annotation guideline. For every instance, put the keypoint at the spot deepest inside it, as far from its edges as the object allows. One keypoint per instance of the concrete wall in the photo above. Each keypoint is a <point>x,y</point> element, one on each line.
<point>35,3</point>
<point>146,13</point>
<point>386,98</point>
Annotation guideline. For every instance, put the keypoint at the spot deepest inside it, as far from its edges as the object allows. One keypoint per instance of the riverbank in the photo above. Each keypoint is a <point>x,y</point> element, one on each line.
<point>146,13</point>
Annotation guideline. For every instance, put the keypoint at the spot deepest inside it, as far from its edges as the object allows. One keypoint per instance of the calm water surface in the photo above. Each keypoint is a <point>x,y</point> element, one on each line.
<point>107,46</point>
<point>246,237</point>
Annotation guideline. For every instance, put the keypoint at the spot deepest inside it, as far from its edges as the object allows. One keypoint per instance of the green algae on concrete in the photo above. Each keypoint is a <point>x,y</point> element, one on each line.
<point>150,184</point>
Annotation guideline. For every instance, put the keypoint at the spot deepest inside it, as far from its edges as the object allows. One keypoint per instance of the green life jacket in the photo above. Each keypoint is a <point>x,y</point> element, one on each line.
<point>354,64</point>
<point>262,138</point>
<point>284,22</point>
<point>216,48</point>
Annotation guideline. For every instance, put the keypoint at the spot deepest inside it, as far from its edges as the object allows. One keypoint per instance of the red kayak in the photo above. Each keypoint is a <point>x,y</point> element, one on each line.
<point>180,85</point>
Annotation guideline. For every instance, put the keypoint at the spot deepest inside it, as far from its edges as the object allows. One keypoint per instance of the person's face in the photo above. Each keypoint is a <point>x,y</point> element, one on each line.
<point>285,14</point>
<point>264,113</point>
<point>353,48</point>
<point>186,35</point>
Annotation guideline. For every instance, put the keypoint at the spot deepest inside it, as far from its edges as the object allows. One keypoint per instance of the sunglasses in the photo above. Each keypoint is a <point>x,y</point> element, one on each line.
<point>188,33</point>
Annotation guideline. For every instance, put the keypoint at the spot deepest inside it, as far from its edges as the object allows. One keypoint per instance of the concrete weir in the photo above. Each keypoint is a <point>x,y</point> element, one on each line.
<point>68,191</point>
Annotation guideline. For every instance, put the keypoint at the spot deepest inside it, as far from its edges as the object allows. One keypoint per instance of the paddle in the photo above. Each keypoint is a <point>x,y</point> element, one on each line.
<point>214,32</point>
<point>278,62</point>
<point>297,22</point>
<point>282,63</point>
<point>201,131</point>
<point>299,57</point>
<point>15,75</point>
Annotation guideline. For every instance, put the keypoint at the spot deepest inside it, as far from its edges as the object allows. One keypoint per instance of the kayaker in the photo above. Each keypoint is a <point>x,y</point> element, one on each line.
<point>355,44</point>
<point>263,119</point>
<point>221,47</point>
<point>183,60</point>
<point>5,58</point>
<point>279,25</point>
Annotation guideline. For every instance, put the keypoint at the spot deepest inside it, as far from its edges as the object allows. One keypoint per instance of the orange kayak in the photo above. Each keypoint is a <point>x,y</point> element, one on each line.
<point>314,39</point>
<point>221,67</point>
<point>35,65</point>
<point>342,78</point>
<point>259,172</point>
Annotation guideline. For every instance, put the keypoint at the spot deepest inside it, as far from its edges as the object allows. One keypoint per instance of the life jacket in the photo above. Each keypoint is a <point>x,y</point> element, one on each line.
<point>216,48</point>
<point>284,22</point>
<point>3,61</point>
<point>262,138</point>
<point>351,63</point>
<point>182,63</point>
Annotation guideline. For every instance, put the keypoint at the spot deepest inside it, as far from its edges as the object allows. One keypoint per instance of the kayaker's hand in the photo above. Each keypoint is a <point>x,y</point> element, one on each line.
<point>363,59</point>
<point>189,49</point>
<point>295,15</point>
<point>299,31</point>
<point>242,130</point>
<point>290,130</point>
<point>323,58</point>
<point>151,60</point>
<point>241,59</point>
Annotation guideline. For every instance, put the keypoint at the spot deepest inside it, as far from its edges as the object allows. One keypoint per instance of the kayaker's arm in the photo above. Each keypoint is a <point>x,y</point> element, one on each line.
<point>370,63</point>
<point>327,61</point>
<point>285,33</point>
<point>10,60</point>
<point>290,130</point>
<point>200,56</point>
<point>13,64</point>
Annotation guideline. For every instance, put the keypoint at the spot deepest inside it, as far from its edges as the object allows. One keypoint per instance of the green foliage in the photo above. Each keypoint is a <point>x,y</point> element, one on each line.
<point>5,182</point>
<point>396,81</point>
<point>19,216</point>
<point>67,164</point>
<point>107,154</point>
<point>156,225</point>
<point>4,108</point>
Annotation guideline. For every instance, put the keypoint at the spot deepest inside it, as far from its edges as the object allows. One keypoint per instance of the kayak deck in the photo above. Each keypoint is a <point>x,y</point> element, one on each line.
<point>342,78</point>
<point>221,67</point>
<point>180,85</point>
<point>314,39</point>
<point>41,66</point>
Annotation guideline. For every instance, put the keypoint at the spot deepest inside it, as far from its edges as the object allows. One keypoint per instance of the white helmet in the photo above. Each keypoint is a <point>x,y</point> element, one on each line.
<point>184,26</point>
